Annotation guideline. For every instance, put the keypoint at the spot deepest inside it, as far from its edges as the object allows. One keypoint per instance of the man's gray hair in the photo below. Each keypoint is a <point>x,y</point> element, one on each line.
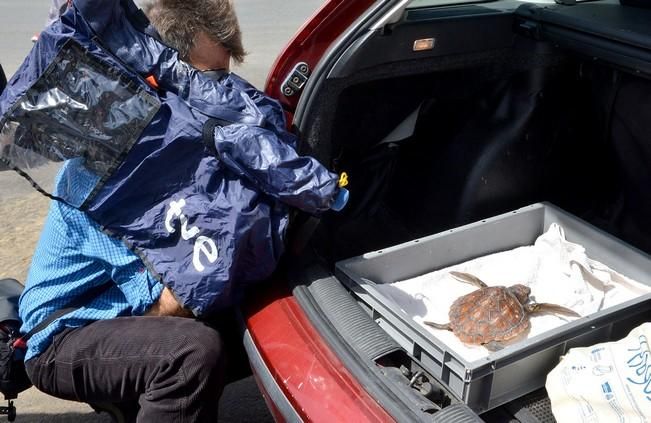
<point>179,21</point>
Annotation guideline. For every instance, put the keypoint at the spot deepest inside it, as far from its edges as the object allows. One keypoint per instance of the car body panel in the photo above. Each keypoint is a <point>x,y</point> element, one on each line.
<point>310,43</point>
<point>308,374</point>
<point>300,377</point>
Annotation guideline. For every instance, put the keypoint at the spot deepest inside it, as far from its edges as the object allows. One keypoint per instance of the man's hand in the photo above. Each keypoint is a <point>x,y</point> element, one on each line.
<point>168,306</point>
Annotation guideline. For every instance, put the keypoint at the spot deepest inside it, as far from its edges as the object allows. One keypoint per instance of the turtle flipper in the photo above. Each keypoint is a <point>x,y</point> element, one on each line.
<point>445,326</point>
<point>547,308</point>
<point>468,278</point>
<point>493,346</point>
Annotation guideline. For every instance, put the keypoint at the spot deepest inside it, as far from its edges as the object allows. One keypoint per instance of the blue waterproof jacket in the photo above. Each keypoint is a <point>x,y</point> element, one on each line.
<point>194,174</point>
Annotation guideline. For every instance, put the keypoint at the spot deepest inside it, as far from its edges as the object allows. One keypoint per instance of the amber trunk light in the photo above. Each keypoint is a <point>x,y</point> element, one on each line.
<point>424,44</point>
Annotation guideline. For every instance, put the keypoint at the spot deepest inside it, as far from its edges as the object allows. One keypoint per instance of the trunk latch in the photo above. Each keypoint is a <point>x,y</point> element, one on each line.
<point>296,80</point>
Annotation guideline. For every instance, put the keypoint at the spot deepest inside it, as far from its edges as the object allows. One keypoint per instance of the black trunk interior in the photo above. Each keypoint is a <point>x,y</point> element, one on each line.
<point>496,130</point>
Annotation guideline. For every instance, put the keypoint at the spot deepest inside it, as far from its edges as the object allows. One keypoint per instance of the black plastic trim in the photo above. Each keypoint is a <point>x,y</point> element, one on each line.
<point>320,73</point>
<point>462,34</point>
<point>351,321</point>
<point>606,31</point>
<point>587,45</point>
<point>457,413</point>
<point>360,368</point>
<point>605,19</point>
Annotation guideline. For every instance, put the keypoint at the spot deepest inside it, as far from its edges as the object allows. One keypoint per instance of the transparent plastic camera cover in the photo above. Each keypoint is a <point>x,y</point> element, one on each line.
<point>81,114</point>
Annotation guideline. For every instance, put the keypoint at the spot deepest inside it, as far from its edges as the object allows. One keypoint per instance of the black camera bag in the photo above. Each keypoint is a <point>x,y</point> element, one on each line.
<point>13,378</point>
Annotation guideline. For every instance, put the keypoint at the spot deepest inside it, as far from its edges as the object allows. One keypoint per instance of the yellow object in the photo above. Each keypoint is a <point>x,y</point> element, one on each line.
<point>343,179</point>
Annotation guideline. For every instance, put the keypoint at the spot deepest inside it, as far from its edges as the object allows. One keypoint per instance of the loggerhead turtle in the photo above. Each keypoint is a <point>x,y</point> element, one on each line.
<point>494,314</point>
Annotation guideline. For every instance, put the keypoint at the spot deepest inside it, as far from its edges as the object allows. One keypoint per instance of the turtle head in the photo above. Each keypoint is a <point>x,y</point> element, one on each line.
<point>521,292</point>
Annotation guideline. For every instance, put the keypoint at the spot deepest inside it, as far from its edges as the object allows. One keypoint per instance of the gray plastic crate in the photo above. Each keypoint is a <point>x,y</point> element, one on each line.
<point>520,368</point>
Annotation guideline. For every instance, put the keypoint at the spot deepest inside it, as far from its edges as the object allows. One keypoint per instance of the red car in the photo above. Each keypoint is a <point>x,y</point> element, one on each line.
<point>442,113</point>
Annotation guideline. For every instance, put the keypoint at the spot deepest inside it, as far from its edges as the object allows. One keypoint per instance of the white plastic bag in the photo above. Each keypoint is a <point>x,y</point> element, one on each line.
<point>608,382</point>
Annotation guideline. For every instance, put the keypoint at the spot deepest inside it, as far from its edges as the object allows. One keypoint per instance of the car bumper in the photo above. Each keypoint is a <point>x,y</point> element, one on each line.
<point>300,377</point>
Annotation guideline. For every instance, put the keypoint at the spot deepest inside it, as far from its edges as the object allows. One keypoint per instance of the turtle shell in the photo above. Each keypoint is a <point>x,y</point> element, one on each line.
<point>488,314</point>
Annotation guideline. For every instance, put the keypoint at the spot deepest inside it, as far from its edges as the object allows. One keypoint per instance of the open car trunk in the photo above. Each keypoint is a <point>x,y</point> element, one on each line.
<point>512,106</point>
<point>492,131</point>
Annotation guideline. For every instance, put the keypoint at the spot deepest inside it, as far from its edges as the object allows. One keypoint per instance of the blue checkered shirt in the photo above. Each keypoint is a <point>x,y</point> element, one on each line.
<point>72,257</point>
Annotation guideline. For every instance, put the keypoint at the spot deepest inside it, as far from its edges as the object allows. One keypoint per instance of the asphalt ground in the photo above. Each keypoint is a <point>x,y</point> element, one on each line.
<point>266,26</point>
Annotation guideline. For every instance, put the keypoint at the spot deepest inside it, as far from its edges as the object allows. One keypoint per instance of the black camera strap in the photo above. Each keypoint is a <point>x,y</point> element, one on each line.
<point>21,342</point>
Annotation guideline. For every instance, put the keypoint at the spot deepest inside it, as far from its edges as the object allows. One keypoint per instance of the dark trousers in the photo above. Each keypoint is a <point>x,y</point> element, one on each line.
<point>167,369</point>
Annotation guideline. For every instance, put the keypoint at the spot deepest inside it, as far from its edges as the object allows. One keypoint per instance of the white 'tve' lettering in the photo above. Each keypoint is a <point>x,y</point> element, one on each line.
<point>176,210</point>
<point>202,246</point>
